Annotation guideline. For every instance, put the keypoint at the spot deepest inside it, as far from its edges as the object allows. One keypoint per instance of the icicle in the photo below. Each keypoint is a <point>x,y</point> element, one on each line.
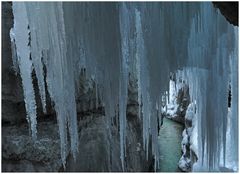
<point>123,89</point>
<point>233,154</point>
<point>47,33</point>
<point>212,102</point>
<point>20,33</point>
<point>139,58</point>
<point>14,52</point>
<point>36,51</point>
<point>142,82</point>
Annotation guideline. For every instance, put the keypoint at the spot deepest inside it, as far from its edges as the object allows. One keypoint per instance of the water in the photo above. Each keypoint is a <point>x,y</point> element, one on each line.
<point>170,146</point>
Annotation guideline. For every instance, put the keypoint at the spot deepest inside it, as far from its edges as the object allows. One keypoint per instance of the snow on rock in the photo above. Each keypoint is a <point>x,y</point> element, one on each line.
<point>178,100</point>
<point>189,147</point>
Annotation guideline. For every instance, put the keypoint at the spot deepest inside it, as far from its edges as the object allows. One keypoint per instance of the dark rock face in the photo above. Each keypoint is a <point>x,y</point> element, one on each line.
<point>229,10</point>
<point>21,154</point>
<point>183,100</point>
<point>135,155</point>
<point>13,110</point>
<point>100,153</point>
<point>97,150</point>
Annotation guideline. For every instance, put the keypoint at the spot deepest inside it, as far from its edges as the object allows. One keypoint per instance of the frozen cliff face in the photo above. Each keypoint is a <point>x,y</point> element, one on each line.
<point>109,41</point>
<point>178,101</point>
<point>209,89</point>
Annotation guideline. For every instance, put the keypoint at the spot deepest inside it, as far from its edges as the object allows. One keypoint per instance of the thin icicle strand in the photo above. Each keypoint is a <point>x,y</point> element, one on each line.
<point>123,89</point>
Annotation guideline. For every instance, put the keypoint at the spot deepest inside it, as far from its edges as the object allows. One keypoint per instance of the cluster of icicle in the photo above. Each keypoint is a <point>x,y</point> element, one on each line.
<point>212,68</point>
<point>111,41</point>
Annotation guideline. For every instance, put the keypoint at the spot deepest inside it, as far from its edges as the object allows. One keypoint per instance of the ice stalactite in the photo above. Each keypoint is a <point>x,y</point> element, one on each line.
<point>232,137</point>
<point>123,89</point>
<point>143,83</point>
<point>20,34</point>
<point>139,54</point>
<point>35,47</point>
<point>103,57</point>
<point>14,52</point>
<point>48,46</point>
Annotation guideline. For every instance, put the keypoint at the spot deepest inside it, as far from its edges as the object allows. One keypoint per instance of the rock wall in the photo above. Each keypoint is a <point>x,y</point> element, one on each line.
<point>13,110</point>
<point>97,150</point>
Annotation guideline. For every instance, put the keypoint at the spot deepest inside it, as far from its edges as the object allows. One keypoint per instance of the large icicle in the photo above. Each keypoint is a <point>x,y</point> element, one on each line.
<point>47,31</point>
<point>143,84</point>
<point>20,34</point>
<point>232,143</point>
<point>123,89</point>
<point>36,51</point>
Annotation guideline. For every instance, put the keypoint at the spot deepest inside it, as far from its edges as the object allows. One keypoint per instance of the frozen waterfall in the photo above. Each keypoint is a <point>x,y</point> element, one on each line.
<point>149,41</point>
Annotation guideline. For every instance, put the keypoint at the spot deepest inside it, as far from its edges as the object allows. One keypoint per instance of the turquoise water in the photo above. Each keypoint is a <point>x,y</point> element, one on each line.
<point>170,146</point>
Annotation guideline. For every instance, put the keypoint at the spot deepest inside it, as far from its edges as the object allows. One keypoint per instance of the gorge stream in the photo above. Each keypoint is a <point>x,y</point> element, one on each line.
<point>170,146</point>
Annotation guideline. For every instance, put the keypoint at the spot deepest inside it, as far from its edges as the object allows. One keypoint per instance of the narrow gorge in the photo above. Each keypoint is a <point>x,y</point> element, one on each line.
<point>119,87</point>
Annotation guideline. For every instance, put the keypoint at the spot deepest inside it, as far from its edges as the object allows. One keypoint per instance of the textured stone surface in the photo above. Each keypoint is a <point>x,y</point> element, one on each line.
<point>21,154</point>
